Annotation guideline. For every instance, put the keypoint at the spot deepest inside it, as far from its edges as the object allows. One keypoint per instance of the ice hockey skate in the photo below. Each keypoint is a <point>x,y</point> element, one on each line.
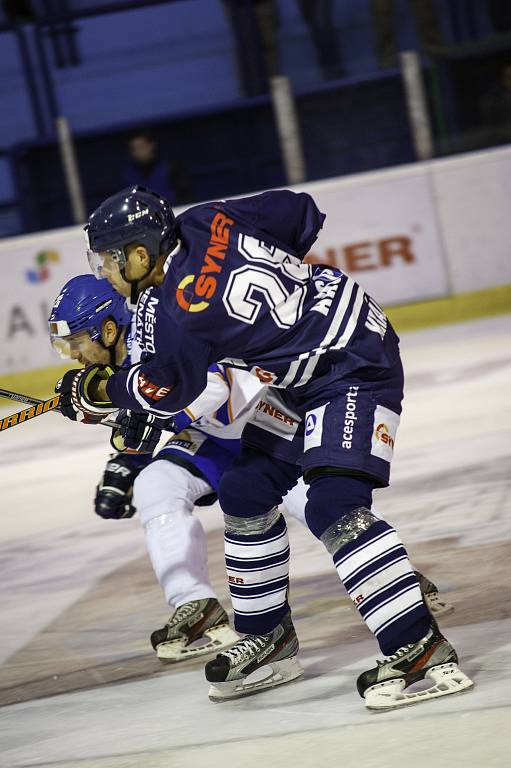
<point>255,663</point>
<point>432,658</point>
<point>437,605</point>
<point>194,629</point>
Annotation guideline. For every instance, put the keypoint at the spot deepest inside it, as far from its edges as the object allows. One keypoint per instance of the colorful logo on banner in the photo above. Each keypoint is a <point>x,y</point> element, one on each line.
<point>43,260</point>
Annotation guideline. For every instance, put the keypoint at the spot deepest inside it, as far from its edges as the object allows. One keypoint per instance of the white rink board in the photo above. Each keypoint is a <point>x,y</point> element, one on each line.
<point>473,199</point>
<point>25,303</point>
<point>382,230</point>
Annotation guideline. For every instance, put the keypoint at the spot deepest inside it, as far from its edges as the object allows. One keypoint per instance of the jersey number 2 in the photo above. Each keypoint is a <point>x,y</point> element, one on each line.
<point>251,285</point>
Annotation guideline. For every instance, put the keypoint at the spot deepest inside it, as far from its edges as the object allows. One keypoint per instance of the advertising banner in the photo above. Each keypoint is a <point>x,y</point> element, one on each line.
<point>382,230</point>
<point>35,269</point>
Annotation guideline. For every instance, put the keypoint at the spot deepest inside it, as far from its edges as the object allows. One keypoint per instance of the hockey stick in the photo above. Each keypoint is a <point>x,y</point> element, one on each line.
<point>41,406</point>
<point>19,397</point>
<point>26,414</point>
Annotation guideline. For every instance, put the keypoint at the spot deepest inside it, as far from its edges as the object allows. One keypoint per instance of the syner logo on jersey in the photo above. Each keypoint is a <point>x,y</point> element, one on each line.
<point>192,291</point>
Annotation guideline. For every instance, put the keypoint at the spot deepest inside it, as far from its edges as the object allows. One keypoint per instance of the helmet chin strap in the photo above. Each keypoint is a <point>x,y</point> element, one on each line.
<point>134,291</point>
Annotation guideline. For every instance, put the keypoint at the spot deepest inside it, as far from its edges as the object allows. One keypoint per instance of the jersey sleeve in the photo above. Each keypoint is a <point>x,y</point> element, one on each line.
<point>211,400</point>
<point>165,385</point>
<point>291,220</point>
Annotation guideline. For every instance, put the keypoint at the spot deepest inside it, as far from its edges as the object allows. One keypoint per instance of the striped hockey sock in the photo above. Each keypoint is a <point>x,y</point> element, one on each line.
<point>375,569</point>
<point>258,573</point>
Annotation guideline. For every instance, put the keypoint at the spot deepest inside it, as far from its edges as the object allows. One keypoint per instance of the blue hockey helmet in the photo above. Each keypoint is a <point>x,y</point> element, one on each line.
<point>133,215</point>
<point>83,304</point>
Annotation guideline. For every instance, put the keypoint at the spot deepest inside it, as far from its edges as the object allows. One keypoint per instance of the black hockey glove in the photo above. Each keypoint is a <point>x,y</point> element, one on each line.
<point>115,490</point>
<point>139,431</point>
<point>76,402</point>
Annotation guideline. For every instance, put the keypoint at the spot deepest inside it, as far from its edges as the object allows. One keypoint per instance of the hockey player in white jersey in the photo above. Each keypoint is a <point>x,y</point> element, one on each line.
<point>185,473</point>
<point>90,323</point>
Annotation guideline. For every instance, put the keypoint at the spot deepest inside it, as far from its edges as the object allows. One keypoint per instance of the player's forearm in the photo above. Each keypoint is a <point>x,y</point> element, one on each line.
<point>151,389</point>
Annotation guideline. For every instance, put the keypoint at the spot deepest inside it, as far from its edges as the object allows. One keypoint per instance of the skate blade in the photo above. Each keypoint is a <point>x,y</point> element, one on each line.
<point>447,679</point>
<point>276,673</point>
<point>437,605</point>
<point>213,640</point>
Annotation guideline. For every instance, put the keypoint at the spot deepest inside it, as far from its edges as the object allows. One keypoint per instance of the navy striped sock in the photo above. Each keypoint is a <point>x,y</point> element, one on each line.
<point>258,572</point>
<point>375,569</point>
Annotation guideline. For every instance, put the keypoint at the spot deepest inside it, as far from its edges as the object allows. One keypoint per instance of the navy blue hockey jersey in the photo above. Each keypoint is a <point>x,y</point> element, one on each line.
<point>237,291</point>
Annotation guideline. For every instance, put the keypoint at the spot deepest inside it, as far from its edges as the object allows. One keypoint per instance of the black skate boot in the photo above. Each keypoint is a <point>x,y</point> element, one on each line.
<point>433,657</point>
<point>437,605</point>
<point>231,673</point>
<point>194,629</point>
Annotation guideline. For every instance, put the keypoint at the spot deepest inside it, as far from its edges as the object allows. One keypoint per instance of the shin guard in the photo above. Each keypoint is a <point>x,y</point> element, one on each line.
<point>257,560</point>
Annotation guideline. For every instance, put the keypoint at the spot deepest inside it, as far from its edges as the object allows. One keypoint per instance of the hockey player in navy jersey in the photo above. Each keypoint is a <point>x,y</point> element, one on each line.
<point>90,323</point>
<point>226,282</point>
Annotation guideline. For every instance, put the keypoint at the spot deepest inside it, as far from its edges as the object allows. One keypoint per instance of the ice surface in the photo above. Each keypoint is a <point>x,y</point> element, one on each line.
<point>81,686</point>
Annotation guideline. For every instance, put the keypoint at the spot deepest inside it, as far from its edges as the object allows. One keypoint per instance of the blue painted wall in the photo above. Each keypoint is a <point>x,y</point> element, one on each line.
<point>147,65</point>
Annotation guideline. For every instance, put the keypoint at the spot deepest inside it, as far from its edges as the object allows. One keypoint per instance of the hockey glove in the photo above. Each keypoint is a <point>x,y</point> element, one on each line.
<point>115,490</point>
<point>139,431</point>
<point>76,401</point>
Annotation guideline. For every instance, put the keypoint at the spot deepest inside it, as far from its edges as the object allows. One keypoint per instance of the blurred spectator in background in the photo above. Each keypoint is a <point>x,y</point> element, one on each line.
<point>318,16</point>
<point>149,168</point>
<point>496,109</point>
<point>255,27</point>
<point>254,24</point>
<point>426,23</point>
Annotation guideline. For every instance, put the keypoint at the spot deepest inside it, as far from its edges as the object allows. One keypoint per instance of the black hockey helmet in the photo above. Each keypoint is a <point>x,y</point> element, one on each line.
<point>133,215</point>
